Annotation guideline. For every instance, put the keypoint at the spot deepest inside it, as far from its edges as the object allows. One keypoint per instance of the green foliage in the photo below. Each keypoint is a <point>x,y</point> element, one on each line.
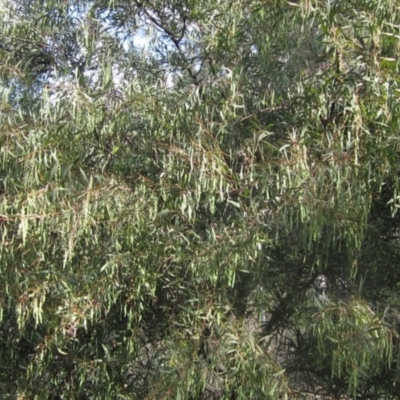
<point>359,343</point>
<point>166,211</point>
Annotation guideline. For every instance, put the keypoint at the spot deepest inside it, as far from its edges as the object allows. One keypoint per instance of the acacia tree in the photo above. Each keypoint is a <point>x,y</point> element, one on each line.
<point>213,216</point>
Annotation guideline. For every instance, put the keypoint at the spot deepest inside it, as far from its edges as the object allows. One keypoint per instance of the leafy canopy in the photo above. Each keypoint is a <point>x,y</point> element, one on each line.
<point>167,211</point>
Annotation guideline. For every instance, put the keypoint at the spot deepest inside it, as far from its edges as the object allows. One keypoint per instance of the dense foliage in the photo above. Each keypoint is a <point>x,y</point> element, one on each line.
<point>212,215</point>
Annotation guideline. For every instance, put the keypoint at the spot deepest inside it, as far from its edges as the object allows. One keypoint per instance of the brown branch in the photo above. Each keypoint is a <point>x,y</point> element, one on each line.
<point>171,36</point>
